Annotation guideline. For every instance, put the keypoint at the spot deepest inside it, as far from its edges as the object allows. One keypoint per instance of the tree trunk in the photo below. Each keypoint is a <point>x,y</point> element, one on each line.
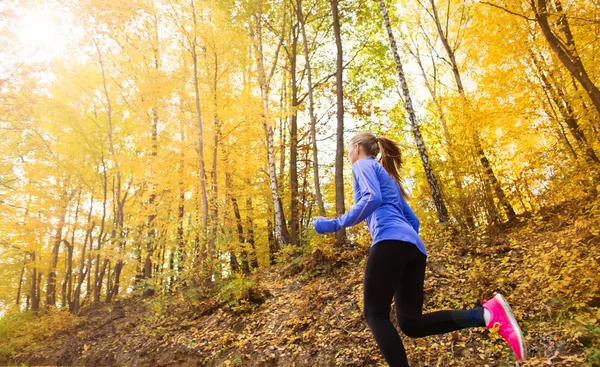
<point>151,234</point>
<point>340,207</point>
<point>97,278</point>
<point>35,294</point>
<point>487,167</point>
<point>283,124</point>
<point>51,286</point>
<point>116,281</point>
<point>567,53</point>
<point>204,228</point>
<point>18,300</point>
<point>116,195</point>
<point>233,260</point>
<point>436,193</point>
<point>181,205</point>
<point>464,208</point>
<point>67,281</point>
<point>250,229</point>
<point>217,129</point>
<point>74,306</point>
<point>307,201</point>
<point>294,139</point>
<point>567,112</point>
<point>311,112</point>
<point>281,231</point>
<point>108,283</point>
<point>272,243</point>
<point>67,287</point>
<point>240,230</point>
<point>118,237</point>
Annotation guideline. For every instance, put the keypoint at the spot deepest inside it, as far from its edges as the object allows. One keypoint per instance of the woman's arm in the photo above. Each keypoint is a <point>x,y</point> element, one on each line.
<point>368,186</point>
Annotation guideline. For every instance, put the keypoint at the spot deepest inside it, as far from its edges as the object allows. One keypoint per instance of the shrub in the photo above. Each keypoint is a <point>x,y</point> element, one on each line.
<point>241,294</point>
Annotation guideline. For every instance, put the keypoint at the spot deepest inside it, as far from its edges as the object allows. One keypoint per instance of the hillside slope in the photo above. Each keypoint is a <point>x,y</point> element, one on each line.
<point>308,312</point>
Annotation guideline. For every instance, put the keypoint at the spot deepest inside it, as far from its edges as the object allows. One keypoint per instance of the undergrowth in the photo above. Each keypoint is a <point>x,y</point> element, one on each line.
<point>545,264</point>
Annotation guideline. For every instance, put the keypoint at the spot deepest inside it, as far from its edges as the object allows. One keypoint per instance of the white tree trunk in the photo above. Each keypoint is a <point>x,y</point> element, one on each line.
<point>436,193</point>
<point>281,233</point>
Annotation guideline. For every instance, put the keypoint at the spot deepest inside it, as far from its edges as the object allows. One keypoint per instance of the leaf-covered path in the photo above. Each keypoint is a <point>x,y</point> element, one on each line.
<point>308,313</point>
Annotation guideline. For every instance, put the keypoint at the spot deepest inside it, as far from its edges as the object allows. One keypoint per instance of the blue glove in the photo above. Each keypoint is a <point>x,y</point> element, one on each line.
<point>324,225</point>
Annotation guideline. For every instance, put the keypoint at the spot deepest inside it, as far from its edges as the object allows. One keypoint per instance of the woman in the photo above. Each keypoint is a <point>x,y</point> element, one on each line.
<point>396,264</point>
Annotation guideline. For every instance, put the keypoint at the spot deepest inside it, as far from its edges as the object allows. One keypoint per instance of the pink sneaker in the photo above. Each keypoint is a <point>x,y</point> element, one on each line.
<point>503,321</point>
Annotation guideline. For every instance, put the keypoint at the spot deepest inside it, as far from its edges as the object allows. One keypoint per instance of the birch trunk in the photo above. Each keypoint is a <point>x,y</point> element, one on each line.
<point>294,225</point>
<point>202,172</point>
<point>436,193</point>
<point>181,205</point>
<point>311,112</point>
<point>215,191</point>
<point>281,232</point>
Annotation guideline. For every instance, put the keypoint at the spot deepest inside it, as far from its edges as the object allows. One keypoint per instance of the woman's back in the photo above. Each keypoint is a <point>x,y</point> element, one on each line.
<point>379,197</point>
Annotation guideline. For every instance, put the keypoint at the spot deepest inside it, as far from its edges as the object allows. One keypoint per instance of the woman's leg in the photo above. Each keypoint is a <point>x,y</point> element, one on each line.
<point>409,304</point>
<point>396,270</point>
<point>385,266</point>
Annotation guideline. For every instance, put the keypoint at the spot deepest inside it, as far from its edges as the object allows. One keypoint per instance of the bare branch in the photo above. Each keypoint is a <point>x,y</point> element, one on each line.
<point>508,11</point>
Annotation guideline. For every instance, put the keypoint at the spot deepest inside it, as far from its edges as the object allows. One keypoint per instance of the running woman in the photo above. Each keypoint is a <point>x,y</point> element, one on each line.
<point>396,263</point>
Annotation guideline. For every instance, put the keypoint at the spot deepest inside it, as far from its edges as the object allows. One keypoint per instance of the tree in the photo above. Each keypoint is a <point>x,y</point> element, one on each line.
<point>281,232</point>
<point>436,193</point>
<point>340,208</point>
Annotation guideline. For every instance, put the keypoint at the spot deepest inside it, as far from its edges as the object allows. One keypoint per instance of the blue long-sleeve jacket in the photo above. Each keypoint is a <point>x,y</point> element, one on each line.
<point>378,199</point>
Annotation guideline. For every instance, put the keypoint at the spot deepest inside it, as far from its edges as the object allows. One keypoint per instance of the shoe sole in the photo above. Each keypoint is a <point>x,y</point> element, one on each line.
<point>514,324</point>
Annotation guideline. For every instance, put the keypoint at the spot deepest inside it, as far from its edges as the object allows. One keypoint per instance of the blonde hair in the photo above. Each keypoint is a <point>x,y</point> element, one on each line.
<point>391,157</point>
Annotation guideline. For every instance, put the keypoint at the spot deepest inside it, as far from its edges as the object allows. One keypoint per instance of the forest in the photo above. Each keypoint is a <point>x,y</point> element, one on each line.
<point>175,153</point>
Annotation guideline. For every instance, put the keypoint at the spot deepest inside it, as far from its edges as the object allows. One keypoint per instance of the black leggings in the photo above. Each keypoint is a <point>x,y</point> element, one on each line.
<point>397,269</point>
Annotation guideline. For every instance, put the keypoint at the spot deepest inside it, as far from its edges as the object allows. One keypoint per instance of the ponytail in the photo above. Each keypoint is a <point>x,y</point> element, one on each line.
<point>391,160</point>
<point>391,157</point>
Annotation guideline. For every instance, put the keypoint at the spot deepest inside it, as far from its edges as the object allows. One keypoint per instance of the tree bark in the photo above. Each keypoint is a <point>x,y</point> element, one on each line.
<point>281,232</point>
<point>35,294</point>
<point>151,231</point>
<point>67,287</point>
<point>340,207</point>
<point>235,265</point>
<point>202,173</point>
<point>487,167</point>
<point>566,110</point>
<point>117,236</point>
<point>294,225</point>
<point>51,285</point>
<point>74,306</point>
<point>283,105</point>
<point>18,300</point>
<point>250,230</point>
<point>311,112</point>
<point>181,205</point>
<point>436,193</point>
<point>566,52</point>
<point>215,206</point>
<point>97,274</point>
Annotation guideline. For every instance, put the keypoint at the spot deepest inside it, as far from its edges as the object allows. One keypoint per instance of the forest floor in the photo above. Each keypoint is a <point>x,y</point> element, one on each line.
<point>308,312</point>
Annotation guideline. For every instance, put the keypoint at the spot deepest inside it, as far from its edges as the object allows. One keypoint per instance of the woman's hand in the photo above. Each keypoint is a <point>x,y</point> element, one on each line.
<point>324,225</point>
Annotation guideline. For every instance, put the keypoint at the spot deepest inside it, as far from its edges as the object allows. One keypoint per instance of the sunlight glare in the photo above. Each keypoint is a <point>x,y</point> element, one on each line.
<point>42,35</point>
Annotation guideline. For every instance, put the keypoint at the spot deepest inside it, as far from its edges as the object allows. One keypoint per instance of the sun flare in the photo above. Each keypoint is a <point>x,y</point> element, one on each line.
<point>42,34</point>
